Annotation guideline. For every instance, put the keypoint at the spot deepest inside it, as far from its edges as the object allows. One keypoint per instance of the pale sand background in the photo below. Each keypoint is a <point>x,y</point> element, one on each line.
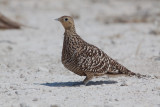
<point>31,73</point>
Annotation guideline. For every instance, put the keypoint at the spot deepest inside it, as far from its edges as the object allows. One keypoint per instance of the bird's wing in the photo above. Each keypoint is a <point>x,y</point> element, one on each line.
<point>92,59</point>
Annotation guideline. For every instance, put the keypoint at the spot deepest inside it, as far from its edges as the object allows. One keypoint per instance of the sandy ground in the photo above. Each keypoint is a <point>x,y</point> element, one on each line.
<point>31,73</point>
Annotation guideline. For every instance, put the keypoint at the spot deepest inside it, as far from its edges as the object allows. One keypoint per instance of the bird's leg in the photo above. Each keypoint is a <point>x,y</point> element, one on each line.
<point>88,78</point>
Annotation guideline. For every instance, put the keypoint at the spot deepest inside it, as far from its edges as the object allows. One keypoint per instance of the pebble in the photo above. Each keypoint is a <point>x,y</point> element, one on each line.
<point>116,99</point>
<point>23,105</point>
<point>124,84</point>
<point>12,87</point>
<point>16,92</point>
<point>54,106</point>
<point>22,76</point>
<point>35,99</point>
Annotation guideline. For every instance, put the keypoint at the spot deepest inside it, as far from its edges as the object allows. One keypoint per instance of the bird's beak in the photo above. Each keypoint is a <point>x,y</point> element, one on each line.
<point>57,19</point>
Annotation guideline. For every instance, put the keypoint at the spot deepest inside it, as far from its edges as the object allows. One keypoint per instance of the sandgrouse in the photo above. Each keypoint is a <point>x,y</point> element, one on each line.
<point>85,59</point>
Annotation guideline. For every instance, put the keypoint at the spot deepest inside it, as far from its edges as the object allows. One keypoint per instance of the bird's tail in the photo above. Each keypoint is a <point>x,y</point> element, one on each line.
<point>130,73</point>
<point>123,70</point>
<point>126,71</point>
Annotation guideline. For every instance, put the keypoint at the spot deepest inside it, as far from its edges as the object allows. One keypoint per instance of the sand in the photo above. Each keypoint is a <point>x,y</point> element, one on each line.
<point>31,72</point>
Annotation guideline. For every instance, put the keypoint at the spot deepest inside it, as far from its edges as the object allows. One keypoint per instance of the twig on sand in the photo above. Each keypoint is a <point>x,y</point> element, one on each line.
<point>6,23</point>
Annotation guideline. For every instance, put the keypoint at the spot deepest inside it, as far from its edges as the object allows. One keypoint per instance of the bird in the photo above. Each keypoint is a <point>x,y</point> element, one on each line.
<point>85,59</point>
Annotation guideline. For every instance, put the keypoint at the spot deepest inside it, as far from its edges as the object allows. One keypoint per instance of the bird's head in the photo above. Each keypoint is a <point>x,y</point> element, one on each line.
<point>66,21</point>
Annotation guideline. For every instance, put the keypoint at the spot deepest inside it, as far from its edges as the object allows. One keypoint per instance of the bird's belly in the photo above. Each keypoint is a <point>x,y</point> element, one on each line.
<point>71,65</point>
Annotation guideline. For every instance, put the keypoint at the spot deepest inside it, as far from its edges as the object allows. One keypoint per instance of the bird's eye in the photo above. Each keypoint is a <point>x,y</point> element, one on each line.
<point>66,19</point>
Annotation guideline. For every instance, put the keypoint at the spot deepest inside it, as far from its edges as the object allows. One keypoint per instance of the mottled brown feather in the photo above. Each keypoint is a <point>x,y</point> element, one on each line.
<point>85,59</point>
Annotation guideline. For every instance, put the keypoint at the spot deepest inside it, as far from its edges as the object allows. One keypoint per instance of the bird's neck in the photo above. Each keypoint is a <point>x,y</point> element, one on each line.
<point>70,36</point>
<point>70,31</point>
<point>70,43</point>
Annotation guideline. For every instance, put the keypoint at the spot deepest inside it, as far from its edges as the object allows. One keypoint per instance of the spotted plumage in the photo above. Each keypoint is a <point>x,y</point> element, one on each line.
<point>85,59</point>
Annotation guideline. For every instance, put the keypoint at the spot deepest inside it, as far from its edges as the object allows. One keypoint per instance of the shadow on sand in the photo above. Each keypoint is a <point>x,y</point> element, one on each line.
<point>72,84</point>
